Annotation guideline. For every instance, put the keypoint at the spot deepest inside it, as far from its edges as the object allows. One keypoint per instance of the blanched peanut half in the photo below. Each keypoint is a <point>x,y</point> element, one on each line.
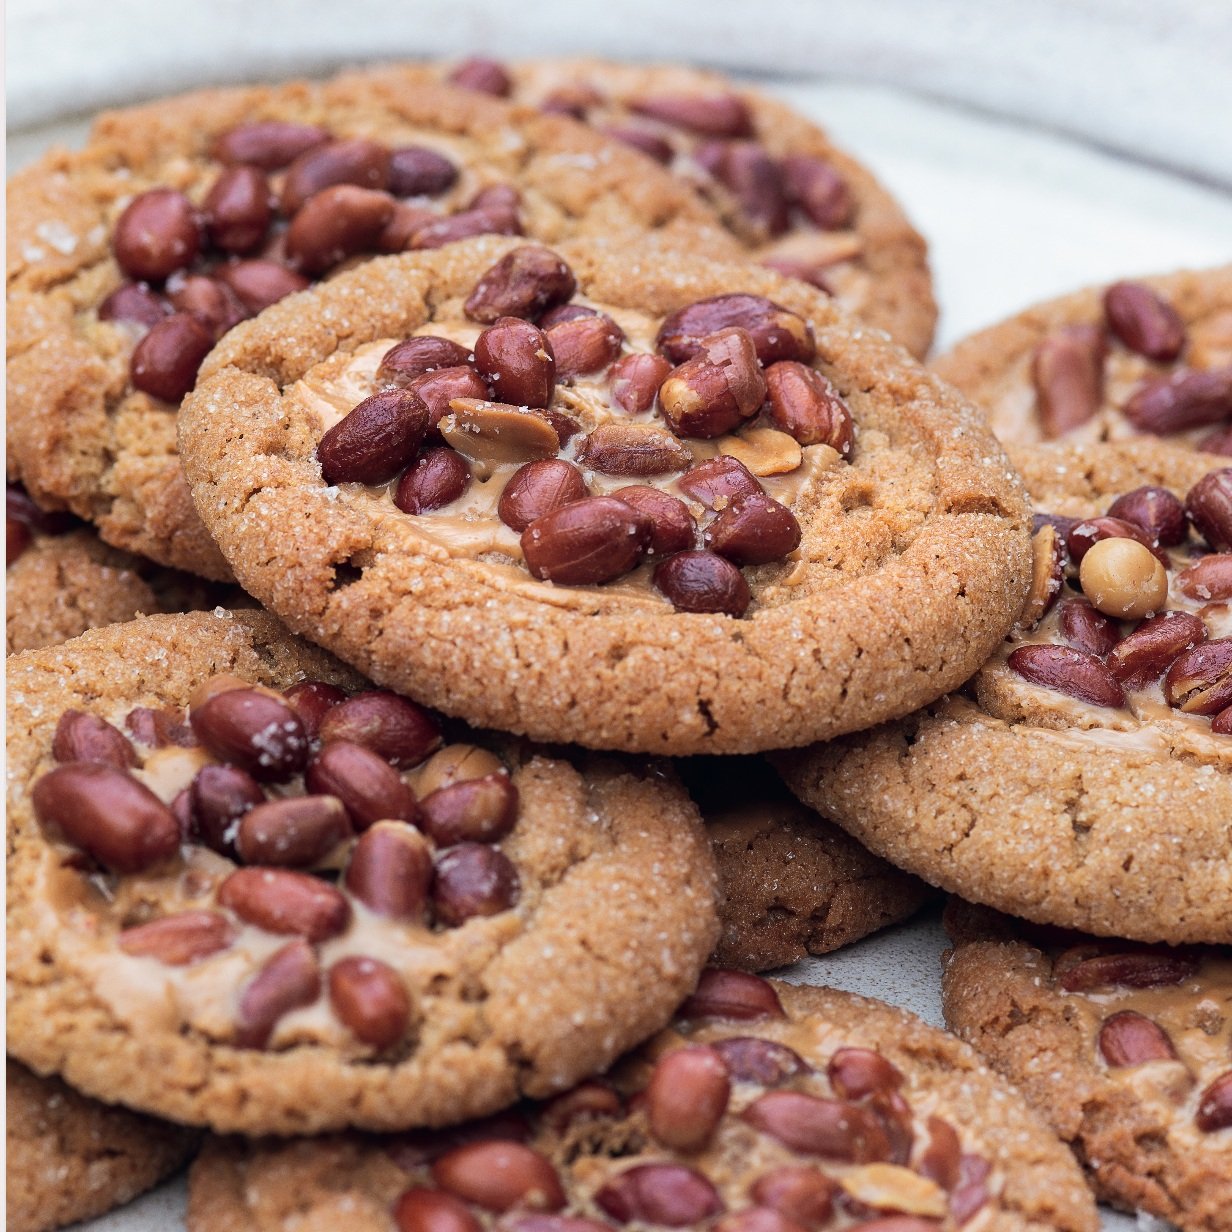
<point>1123,579</point>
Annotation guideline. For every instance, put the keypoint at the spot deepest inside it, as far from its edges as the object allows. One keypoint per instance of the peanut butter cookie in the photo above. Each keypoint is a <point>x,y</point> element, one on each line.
<point>693,509</point>
<point>793,199</point>
<point>61,580</point>
<point>1125,1051</point>
<point>247,892</point>
<point>1149,357</point>
<point>129,258</point>
<point>763,1107</point>
<point>1084,777</point>
<point>69,1158</point>
<point>791,883</point>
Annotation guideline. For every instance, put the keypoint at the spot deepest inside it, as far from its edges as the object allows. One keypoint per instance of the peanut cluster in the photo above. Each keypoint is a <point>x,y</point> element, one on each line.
<point>1131,1036</point>
<point>290,203</point>
<point>711,139</point>
<point>296,815</point>
<point>1068,370</point>
<point>732,370</point>
<point>1136,596</point>
<point>836,1147</point>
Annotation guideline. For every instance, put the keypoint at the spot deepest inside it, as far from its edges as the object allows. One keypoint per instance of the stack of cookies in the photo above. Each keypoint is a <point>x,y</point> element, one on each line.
<point>435,492</point>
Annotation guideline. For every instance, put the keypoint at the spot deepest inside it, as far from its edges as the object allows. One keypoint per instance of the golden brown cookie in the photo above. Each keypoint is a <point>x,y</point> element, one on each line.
<point>791,883</point>
<point>790,196</point>
<point>763,1106</point>
<point>69,1158</point>
<point>61,581</point>
<point>1125,1051</point>
<point>822,536</point>
<point>168,206</point>
<point>1084,778</point>
<point>296,912</point>
<point>1151,356</point>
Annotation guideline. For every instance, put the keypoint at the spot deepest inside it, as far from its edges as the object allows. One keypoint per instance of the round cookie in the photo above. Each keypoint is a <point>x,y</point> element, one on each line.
<point>1084,778</point>
<point>791,883</point>
<point>877,532</point>
<point>792,198</point>
<point>60,581</point>
<point>69,1158</point>
<point>537,918</point>
<point>1126,1052</point>
<point>95,367</point>
<point>1149,357</point>
<point>764,1106</point>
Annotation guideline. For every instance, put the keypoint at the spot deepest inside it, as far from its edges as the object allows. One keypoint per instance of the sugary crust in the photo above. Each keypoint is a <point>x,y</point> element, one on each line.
<point>63,585</point>
<point>236,1185</point>
<point>996,996</point>
<point>915,554</point>
<point>1081,480</point>
<point>791,883</point>
<point>1120,838</point>
<point>79,436</point>
<point>894,291</point>
<point>993,366</point>
<point>71,1158</point>
<point>794,885</point>
<point>615,920</point>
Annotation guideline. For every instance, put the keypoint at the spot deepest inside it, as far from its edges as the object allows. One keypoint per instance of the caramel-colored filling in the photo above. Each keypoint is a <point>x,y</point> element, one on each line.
<point>886,1187</point>
<point>1197,1016</point>
<point>1146,721</point>
<point>87,911</point>
<point>469,528</point>
<point>1013,401</point>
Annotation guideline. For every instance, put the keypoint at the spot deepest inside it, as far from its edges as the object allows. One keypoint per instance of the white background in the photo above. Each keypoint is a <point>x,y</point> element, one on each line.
<point>1059,144</point>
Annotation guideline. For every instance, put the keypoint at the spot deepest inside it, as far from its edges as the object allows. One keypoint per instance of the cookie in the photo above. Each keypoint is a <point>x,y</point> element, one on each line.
<point>61,580</point>
<point>791,883</point>
<point>1149,357</point>
<point>1084,778</point>
<point>1125,1051</point>
<point>793,199</point>
<point>71,1158</point>
<point>763,1106</point>
<point>128,258</point>
<point>436,927</point>
<point>809,549</point>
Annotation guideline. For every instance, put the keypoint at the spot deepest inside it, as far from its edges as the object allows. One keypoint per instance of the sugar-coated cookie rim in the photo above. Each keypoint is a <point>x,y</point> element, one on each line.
<point>657,865</point>
<point>880,646</point>
<point>49,418</point>
<point>109,1156</point>
<point>1124,893</point>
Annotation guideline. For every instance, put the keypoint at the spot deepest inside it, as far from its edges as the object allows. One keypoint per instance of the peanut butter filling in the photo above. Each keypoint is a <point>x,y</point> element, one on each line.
<point>90,907</point>
<point>469,528</point>
<point>1195,1015</point>
<point>1147,721</point>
